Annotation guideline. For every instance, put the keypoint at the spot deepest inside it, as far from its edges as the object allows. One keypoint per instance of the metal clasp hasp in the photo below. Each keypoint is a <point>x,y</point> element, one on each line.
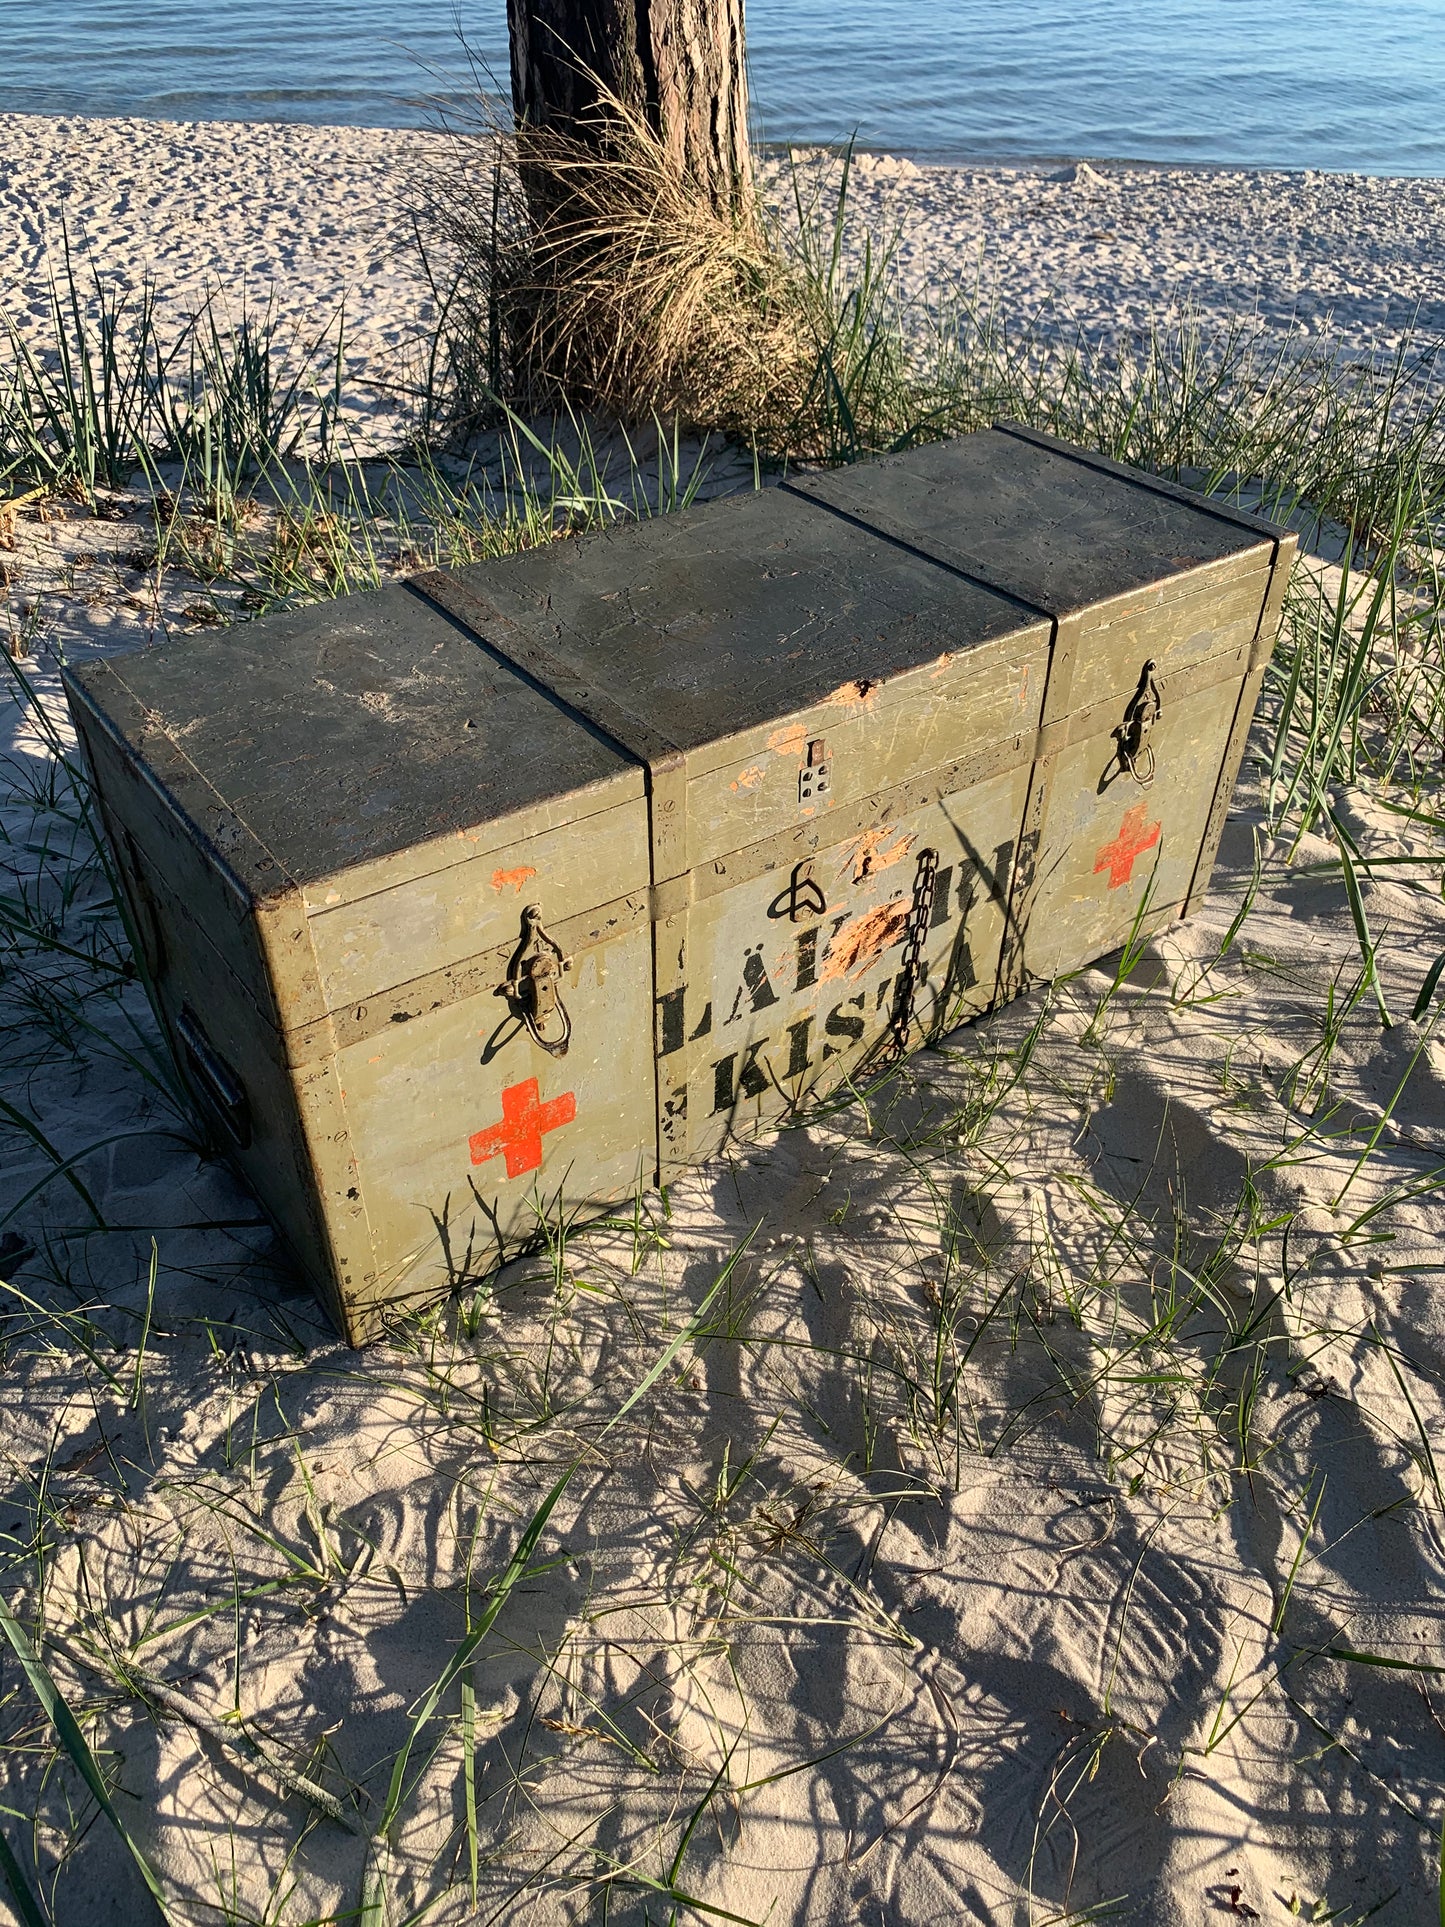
<point>533,980</point>
<point>1146,706</point>
<point>803,896</point>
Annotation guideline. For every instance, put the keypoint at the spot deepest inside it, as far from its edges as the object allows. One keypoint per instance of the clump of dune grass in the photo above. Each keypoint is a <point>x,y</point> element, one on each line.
<point>109,388</point>
<point>642,293</point>
<point>600,272</point>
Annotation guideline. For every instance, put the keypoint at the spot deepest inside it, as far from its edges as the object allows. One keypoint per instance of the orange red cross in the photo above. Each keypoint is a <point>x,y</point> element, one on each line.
<point>525,1122</point>
<point>1133,840</point>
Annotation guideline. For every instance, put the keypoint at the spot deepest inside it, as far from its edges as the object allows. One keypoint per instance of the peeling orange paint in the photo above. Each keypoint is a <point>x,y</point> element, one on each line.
<point>792,741</point>
<point>748,780</point>
<point>855,695</point>
<point>872,852</point>
<point>512,879</point>
<point>1024,686</point>
<point>858,947</point>
<point>940,667</point>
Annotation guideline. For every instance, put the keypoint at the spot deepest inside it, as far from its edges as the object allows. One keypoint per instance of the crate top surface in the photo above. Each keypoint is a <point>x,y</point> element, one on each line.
<point>353,729</point>
<point>731,616</point>
<point>1059,528</point>
<point>707,624</point>
<point>348,731</point>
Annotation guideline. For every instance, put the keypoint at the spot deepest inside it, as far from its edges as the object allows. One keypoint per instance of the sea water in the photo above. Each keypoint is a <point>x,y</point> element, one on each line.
<point>1353,85</point>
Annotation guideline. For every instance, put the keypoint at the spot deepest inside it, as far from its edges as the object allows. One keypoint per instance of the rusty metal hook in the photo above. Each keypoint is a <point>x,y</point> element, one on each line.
<point>1134,753</point>
<point>533,979</point>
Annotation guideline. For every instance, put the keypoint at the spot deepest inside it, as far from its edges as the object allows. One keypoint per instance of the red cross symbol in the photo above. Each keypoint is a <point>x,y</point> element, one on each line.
<point>1133,840</point>
<point>524,1123</point>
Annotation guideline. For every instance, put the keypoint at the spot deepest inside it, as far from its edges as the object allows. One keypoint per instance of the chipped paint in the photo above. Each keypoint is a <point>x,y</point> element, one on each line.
<point>512,879</point>
<point>859,945</point>
<point>748,780</point>
<point>940,668</point>
<point>792,741</point>
<point>1023,686</point>
<point>862,694</point>
<point>866,855</point>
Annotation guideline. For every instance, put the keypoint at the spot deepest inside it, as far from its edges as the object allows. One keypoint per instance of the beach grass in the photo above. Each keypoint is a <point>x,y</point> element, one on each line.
<point>594,1642</point>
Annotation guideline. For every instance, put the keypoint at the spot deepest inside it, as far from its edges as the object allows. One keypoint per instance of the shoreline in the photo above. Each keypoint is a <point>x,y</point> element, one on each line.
<point>311,217</point>
<point>927,159</point>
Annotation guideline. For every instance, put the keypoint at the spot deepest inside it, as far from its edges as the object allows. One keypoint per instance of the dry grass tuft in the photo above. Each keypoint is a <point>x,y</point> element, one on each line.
<point>643,295</point>
<point>601,274</point>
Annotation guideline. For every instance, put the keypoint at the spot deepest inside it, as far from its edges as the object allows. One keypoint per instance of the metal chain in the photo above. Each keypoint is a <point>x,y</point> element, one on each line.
<point>915,935</point>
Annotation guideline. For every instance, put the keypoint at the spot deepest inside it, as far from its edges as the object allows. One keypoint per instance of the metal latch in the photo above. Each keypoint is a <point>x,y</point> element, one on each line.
<point>533,983</point>
<point>1146,706</point>
<point>813,777</point>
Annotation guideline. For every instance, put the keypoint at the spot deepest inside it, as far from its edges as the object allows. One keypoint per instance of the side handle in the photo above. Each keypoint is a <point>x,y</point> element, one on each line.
<point>213,1079</point>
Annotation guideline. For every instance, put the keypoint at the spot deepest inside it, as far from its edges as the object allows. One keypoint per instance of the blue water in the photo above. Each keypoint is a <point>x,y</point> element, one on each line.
<point>1354,85</point>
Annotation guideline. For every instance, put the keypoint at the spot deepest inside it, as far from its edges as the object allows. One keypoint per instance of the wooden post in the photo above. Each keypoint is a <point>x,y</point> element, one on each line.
<point>678,63</point>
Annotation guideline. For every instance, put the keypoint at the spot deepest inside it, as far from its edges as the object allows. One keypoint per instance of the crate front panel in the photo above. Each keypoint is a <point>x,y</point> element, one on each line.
<point>869,737</point>
<point>1105,840</point>
<point>463,1129</point>
<point>367,946</point>
<point>760,1012</point>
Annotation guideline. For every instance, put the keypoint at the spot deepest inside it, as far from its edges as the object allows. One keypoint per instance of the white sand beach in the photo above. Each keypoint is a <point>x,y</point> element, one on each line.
<point>947,1573</point>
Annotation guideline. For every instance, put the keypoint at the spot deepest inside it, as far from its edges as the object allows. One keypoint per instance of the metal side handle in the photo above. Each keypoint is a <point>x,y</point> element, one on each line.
<point>217,1084</point>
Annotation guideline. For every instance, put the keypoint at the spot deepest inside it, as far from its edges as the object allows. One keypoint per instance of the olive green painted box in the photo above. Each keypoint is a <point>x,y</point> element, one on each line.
<point>509,890</point>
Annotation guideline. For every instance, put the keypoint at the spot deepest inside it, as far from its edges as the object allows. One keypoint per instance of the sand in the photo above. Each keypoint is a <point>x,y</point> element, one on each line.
<point>1053,1611</point>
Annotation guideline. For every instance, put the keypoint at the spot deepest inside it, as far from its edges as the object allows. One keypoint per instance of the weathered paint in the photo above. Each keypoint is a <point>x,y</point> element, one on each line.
<point>759,1010</point>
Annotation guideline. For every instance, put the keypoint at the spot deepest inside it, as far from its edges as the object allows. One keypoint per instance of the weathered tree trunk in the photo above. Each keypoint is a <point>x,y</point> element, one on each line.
<point>678,63</point>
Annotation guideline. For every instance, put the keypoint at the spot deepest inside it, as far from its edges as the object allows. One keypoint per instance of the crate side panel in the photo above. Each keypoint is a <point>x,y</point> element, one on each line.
<point>280,1153</point>
<point>760,1010</point>
<point>464,1130</point>
<point>1106,841</point>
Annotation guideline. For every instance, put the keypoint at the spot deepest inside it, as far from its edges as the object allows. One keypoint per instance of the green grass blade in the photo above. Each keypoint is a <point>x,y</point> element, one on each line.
<point>1296,1562</point>
<point>1428,988</point>
<point>1380,1659</point>
<point>27,1901</point>
<point>75,1743</point>
<point>1361,922</point>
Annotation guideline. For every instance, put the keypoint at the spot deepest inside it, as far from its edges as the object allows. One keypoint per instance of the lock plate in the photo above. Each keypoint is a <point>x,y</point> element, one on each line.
<point>815,778</point>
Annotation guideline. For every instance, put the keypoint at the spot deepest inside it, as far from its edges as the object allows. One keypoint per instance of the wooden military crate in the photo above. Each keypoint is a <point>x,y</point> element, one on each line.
<point>511,889</point>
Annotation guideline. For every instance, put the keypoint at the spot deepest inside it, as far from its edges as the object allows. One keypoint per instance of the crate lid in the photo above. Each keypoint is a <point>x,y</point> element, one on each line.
<point>1062,529</point>
<point>334,738</point>
<point>705,625</point>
